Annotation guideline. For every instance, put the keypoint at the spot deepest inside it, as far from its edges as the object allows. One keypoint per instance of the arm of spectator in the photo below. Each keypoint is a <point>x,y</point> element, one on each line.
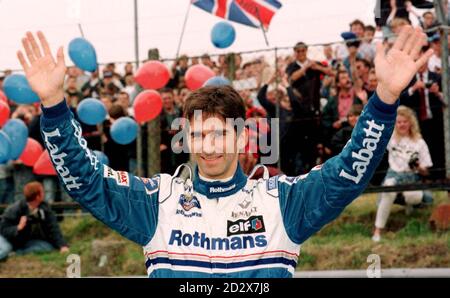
<point>52,229</point>
<point>262,98</point>
<point>295,103</point>
<point>323,69</point>
<point>11,222</point>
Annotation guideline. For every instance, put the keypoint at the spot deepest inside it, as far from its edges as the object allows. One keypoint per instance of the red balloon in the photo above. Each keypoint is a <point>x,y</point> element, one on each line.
<point>152,75</point>
<point>31,153</point>
<point>43,165</point>
<point>197,75</point>
<point>4,113</point>
<point>147,106</point>
<point>3,97</point>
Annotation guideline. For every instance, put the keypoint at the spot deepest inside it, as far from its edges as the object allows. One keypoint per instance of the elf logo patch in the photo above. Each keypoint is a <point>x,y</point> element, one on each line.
<point>252,225</point>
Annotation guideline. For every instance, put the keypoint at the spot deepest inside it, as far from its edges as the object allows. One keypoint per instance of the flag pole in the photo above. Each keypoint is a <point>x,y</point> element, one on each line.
<point>182,30</point>
<point>262,26</point>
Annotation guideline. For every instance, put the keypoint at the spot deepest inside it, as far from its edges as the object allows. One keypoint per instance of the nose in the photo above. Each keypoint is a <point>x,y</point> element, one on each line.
<point>208,146</point>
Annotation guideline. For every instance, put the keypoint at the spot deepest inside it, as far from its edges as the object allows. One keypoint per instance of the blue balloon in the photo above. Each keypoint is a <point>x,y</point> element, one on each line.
<point>17,132</point>
<point>91,111</point>
<point>223,35</point>
<point>124,130</point>
<point>102,157</point>
<point>217,81</point>
<point>5,147</point>
<point>18,90</point>
<point>82,54</point>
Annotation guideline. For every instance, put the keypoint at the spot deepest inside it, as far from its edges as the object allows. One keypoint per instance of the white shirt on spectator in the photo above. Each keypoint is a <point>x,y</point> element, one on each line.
<point>400,153</point>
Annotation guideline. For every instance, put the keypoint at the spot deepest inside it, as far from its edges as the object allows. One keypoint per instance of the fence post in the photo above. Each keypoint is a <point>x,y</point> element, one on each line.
<point>441,14</point>
<point>277,109</point>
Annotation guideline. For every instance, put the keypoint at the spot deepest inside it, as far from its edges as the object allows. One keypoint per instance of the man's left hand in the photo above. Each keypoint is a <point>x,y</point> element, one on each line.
<point>396,69</point>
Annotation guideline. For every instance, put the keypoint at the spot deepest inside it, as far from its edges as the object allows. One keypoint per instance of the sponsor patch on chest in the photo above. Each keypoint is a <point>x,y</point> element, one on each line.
<point>252,225</point>
<point>190,206</point>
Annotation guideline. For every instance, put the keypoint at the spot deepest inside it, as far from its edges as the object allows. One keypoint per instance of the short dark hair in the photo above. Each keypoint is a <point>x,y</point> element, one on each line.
<point>369,28</point>
<point>300,44</point>
<point>365,62</point>
<point>166,90</point>
<point>338,75</point>
<point>357,22</point>
<point>221,101</point>
<point>117,111</point>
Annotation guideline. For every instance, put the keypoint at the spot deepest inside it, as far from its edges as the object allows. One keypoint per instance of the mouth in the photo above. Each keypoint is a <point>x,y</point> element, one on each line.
<point>210,158</point>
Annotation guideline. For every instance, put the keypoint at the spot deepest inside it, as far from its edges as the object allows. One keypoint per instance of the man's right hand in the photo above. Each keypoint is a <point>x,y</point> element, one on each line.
<point>44,74</point>
<point>22,223</point>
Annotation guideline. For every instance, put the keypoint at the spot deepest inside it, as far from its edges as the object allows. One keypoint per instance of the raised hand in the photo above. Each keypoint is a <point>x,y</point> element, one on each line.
<point>45,75</point>
<point>396,68</point>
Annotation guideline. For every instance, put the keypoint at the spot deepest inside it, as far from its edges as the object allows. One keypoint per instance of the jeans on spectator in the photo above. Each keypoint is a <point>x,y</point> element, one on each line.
<point>413,197</point>
<point>7,190</point>
<point>35,246</point>
<point>5,248</point>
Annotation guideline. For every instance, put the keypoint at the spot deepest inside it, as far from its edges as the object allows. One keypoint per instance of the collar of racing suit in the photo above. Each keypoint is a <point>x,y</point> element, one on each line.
<point>219,189</point>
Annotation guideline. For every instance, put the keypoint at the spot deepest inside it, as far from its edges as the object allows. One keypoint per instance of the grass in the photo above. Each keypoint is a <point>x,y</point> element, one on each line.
<point>343,244</point>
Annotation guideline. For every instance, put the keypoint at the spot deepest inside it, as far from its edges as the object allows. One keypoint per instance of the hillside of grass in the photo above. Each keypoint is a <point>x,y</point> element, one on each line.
<point>344,244</point>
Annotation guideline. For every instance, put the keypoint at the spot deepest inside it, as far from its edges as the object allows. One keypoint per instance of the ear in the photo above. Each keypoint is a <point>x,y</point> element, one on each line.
<point>242,140</point>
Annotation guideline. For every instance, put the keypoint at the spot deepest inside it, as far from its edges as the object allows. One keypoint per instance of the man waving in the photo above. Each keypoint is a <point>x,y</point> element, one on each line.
<point>219,222</point>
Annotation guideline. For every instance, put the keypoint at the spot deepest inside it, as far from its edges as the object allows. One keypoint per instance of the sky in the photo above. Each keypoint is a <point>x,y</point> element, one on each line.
<point>109,26</point>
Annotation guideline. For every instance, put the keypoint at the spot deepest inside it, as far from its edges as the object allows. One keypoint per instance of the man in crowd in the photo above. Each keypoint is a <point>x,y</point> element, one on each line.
<point>30,225</point>
<point>424,96</point>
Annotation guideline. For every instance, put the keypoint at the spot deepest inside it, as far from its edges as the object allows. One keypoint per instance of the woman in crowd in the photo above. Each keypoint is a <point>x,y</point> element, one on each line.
<point>409,159</point>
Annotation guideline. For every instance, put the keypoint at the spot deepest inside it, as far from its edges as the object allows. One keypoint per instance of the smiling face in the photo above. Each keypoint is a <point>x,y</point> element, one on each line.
<point>215,146</point>
<point>403,126</point>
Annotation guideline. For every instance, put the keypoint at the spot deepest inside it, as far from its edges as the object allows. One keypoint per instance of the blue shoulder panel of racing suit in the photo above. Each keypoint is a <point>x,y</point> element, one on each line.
<point>308,203</point>
<point>122,201</point>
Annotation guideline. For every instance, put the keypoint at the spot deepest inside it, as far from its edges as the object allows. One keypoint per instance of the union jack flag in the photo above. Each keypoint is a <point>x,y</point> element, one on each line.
<point>252,13</point>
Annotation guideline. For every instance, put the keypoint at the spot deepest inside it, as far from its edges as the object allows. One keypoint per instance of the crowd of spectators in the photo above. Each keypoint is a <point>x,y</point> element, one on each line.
<point>319,101</point>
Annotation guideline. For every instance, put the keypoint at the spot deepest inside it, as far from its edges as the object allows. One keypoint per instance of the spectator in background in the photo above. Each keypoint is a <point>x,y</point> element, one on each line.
<point>123,100</point>
<point>357,27</point>
<point>24,112</point>
<point>428,23</point>
<point>304,77</point>
<point>435,62</point>
<point>107,100</point>
<point>194,61</point>
<point>111,85</point>
<point>206,60</point>
<point>372,83</point>
<point>72,91</point>
<point>130,84</point>
<point>128,69</point>
<point>179,68</point>
<point>337,108</point>
<point>409,159</point>
<point>329,55</point>
<point>367,49</point>
<point>118,154</point>
<point>170,112</point>
<point>362,70</point>
<point>424,96</point>
<point>7,188</point>
<point>30,225</point>
<point>341,137</point>
<point>93,88</point>
<point>353,54</point>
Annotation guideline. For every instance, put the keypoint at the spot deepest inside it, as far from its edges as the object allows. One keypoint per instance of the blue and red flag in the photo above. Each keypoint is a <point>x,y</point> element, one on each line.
<point>252,13</point>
